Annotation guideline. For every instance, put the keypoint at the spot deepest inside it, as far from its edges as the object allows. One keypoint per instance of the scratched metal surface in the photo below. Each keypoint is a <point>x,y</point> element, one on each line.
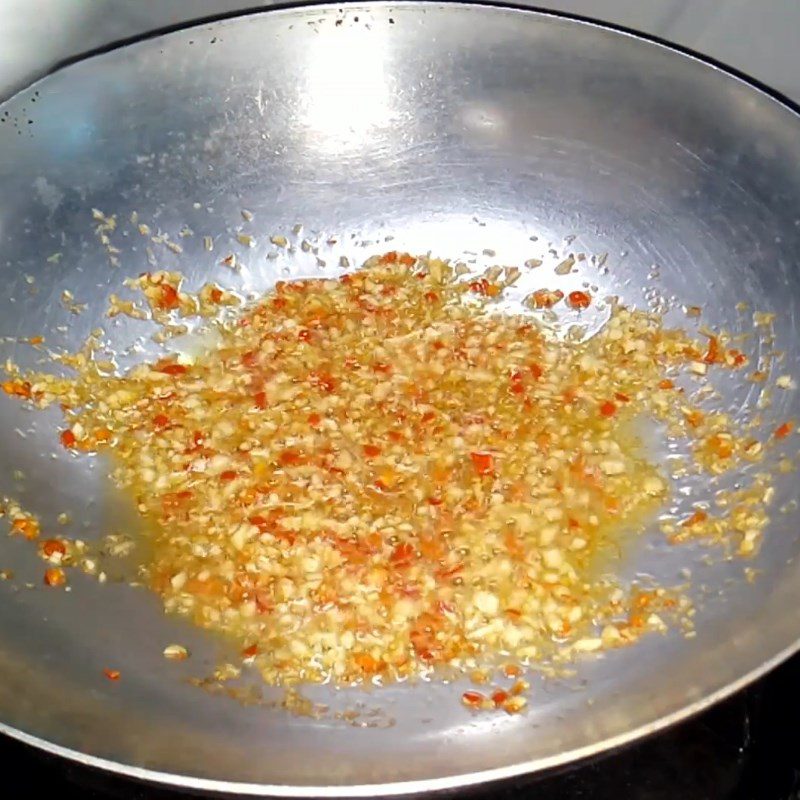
<point>454,129</point>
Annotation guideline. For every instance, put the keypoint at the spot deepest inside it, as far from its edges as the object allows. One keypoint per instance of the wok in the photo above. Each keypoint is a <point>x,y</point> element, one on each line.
<point>453,128</point>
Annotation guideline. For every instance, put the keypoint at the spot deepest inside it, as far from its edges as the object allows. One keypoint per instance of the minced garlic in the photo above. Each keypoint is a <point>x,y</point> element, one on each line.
<point>379,474</point>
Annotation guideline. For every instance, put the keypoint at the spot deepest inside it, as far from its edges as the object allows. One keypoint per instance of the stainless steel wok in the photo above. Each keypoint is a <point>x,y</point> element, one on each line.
<point>454,128</point>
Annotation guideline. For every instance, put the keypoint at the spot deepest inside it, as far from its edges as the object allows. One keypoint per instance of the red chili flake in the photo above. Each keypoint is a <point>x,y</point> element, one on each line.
<point>17,388</point>
<point>384,369</point>
<point>28,527</point>
<point>371,450</point>
<point>168,298</point>
<point>428,416</point>
<point>51,547</point>
<point>485,288</point>
<point>68,438</point>
<point>435,501</point>
<point>512,671</point>
<point>402,555</point>
<point>695,519</point>
<point>431,297</point>
<point>250,652</point>
<point>228,475</point>
<point>215,295</point>
<point>160,421</point>
<point>579,300</point>
<point>304,335</point>
<point>112,674</point>
<point>608,409</point>
<point>782,431</point>
<point>407,260</point>
<point>636,620</point>
<point>314,419</point>
<point>644,599</point>
<point>517,385</point>
<point>325,381</point>
<point>714,354</point>
<point>623,398</point>
<point>173,500</point>
<point>367,663</point>
<point>171,368</point>
<point>483,463</point>
<point>260,400</point>
<point>290,458</point>
<point>721,446</point>
<point>249,359</point>
<point>55,577</point>
<point>536,371</point>
<point>390,257</point>
<point>473,699</point>
<point>279,303</point>
<point>395,436</point>
<point>499,697</point>
<point>695,418</point>
<point>737,358</point>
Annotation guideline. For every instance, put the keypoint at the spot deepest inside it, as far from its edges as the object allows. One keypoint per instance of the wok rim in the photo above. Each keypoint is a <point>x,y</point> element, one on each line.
<point>537,766</point>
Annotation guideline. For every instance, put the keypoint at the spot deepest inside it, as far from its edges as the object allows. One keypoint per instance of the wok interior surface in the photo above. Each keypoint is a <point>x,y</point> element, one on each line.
<point>417,127</point>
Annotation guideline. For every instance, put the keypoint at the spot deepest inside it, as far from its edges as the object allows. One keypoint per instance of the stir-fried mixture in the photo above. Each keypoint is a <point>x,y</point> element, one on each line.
<point>381,474</point>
